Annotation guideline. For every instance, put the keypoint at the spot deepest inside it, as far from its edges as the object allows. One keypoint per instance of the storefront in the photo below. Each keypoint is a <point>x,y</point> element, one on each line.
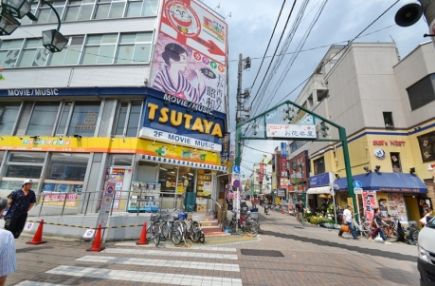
<point>395,194</point>
<point>298,181</point>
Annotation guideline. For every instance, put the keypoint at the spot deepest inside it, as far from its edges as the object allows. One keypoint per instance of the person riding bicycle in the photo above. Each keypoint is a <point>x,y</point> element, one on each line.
<point>378,225</point>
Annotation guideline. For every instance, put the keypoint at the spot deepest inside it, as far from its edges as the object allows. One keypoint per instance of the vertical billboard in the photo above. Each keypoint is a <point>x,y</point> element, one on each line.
<point>189,60</point>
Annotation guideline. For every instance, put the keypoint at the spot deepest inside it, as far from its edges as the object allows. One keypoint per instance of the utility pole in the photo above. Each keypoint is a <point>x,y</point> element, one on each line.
<point>244,63</point>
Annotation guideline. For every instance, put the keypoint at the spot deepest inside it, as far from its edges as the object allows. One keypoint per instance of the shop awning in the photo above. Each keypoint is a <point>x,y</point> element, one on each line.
<point>320,190</point>
<point>385,182</point>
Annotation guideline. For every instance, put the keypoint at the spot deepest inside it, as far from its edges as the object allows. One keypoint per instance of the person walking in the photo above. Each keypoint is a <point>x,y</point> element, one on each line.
<point>7,249</point>
<point>20,203</point>
<point>300,211</point>
<point>348,220</point>
<point>378,224</point>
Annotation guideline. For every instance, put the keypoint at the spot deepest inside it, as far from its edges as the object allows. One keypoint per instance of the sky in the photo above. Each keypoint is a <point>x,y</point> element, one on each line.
<point>250,26</point>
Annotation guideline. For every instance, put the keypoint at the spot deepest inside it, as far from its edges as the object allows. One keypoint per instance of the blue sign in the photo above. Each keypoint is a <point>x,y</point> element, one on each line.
<point>320,180</point>
<point>182,120</point>
<point>284,149</point>
<point>357,184</point>
<point>236,169</point>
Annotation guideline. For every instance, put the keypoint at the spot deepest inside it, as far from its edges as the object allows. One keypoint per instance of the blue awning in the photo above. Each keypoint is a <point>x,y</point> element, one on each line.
<point>385,182</point>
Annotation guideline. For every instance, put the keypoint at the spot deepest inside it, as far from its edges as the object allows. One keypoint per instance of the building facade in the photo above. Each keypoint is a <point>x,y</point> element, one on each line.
<point>137,101</point>
<point>386,105</point>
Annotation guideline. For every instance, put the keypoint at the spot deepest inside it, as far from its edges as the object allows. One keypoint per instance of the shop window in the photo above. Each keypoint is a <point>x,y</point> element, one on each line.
<point>395,162</point>
<point>69,167</point>
<point>422,92</point>
<point>204,186</point>
<point>99,49</point>
<point>388,119</point>
<point>47,15</point>
<point>63,119</point>
<point>134,48</point>
<point>84,119</point>
<point>127,119</point>
<point>9,51</point>
<point>186,180</point>
<point>79,10</point>
<point>8,117</point>
<point>70,55</point>
<point>319,166</point>
<point>109,9</point>
<point>42,119</point>
<point>121,160</point>
<point>25,165</point>
<point>33,54</point>
<point>427,146</point>
<point>168,180</point>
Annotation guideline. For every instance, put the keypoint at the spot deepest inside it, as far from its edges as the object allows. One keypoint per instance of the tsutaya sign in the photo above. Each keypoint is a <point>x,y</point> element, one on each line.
<point>180,124</point>
<point>291,131</point>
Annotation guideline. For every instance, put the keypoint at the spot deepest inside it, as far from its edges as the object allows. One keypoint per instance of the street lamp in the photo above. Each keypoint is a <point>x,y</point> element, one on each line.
<point>18,8</point>
<point>8,24</point>
<point>53,40</point>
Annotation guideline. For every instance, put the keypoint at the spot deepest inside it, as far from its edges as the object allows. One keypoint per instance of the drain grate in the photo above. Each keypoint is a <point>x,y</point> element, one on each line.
<point>260,252</point>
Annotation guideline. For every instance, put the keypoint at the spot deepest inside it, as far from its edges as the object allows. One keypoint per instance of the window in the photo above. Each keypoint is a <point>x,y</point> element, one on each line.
<point>127,119</point>
<point>121,160</point>
<point>63,120</point>
<point>79,10</point>
<point>69,55</point>
<point>319,166</point>
<point>99,49</point>
<point>84,119</point>
<point>422,92</point>
<point>322,94</point>
<point>9,51</point>
<point>110,9</point>
<point>25,165</point>
<point>46,14</point>
<point>42,119</point>
<point>168,180</point>
<point>8,117</point>
<point>34,54</point>
<point>134,48</point>
<point>310,101</point>
<point>143,8</point>
<point>70,167</point>
<point>204,187</point>
<point>395,162</point>
<point>388,119</point>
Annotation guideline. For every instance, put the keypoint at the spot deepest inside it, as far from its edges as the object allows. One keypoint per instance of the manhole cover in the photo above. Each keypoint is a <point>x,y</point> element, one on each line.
<point>259,252</point>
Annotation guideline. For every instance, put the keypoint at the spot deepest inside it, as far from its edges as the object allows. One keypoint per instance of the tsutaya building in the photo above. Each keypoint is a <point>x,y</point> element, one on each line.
<point>137,101</point>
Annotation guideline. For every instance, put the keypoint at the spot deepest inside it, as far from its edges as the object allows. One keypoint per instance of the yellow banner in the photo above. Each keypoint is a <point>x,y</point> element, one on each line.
<point>109,145</point>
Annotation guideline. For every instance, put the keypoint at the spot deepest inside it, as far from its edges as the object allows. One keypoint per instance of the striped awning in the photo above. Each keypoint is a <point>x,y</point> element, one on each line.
<point>184,163</point>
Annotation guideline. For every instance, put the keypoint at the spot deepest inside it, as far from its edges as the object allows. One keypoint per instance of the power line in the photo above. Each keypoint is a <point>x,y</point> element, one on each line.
<point>274,53</point>
<point>268,44</point>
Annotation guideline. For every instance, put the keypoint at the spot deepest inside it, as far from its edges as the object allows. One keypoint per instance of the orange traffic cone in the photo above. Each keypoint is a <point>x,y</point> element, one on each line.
<point>37,238</point>
<point>96,243</point>
<point>143,236</point>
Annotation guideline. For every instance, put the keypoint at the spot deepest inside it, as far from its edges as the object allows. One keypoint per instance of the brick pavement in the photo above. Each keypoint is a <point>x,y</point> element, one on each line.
<point>311,256</point>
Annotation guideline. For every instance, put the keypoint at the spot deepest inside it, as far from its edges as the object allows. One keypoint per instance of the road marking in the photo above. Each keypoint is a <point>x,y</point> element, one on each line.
<point>35,283</point>
<point>161,263</point>
<point>195,247</point>
<point>171,253</point>
<point>149,277</point>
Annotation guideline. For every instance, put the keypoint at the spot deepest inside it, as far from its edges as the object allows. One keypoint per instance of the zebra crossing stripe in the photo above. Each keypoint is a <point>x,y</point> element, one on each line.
<point>35,283</point>
<point>190,254</point>
<point>144,277</point>
<point>169,246</point>
<point>161,263</point>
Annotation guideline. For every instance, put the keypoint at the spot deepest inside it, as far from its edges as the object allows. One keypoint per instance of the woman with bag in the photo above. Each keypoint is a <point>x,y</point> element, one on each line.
<point>347,223</point>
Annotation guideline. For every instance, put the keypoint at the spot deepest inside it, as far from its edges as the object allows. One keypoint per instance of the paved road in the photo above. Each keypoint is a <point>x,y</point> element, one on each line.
<point>284,254</point>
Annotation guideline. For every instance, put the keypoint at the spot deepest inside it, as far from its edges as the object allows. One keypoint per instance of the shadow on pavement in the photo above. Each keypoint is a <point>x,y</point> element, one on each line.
<point>33,248</point>
<point>368,251</point>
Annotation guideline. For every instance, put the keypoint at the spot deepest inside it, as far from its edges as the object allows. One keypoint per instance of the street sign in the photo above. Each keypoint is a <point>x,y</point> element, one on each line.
<point>291,131</point>
<point>357,184</point>
<point>236,169</point>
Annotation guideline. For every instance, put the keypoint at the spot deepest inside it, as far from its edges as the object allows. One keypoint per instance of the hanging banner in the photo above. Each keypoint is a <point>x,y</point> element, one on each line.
<point>191,53</point>
<point>291,131</point>
<point>369,204</point>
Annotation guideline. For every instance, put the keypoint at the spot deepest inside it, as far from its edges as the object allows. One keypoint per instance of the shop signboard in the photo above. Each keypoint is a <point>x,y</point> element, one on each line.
<point>427,146</point>
<point>299,168</point>
<point>178,124</point>
<point>60,198</point>
<point>106,201</point>
<point>295,131</point>
<point>369,204</point>
<point>190,55</point>
<point>320,180</point>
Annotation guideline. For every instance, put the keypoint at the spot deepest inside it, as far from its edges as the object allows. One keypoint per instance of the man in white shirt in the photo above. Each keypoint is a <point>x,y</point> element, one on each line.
<point>348,220</point>
<point>7,249</point>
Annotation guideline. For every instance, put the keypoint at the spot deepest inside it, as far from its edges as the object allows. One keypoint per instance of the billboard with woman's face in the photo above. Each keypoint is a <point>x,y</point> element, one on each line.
<point>189,59</point>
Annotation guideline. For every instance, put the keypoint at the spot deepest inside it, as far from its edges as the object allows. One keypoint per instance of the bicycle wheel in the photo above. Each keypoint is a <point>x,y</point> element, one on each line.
<point>177,235</point>
<point>165,233</point>
<point>155,230</point>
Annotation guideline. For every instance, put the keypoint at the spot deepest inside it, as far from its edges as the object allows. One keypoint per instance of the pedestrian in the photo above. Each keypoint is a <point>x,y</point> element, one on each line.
<point>300,211</point>
<point>378,225</point>
<point>7,249</point>
<point>348,220</point>
<point>20,203</point>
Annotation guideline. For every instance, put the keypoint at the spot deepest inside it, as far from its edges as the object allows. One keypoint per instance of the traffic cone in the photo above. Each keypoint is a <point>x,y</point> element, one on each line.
<point>96,243</point>
<point>143,236</point>
<point>37,238</point>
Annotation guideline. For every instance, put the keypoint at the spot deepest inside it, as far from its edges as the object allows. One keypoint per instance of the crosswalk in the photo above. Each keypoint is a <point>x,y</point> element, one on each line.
<point>127,263</point>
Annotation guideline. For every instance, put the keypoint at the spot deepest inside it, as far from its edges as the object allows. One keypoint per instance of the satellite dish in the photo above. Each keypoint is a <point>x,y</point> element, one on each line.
<point>408,15</point>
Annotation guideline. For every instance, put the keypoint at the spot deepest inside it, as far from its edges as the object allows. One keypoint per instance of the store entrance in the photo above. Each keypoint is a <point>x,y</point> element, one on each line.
<point>412,208</point>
